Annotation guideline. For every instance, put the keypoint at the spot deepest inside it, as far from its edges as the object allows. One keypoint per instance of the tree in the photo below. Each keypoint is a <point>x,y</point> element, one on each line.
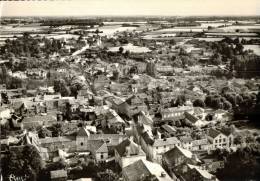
<point>121,50</point>
<point>68,112</point>
<point>241,165</point>
<point>231,98</point>
<point>216,59</point>
<point>108,175</point>
<point>238,140</point>
<point>57,130</point>
<point>23,160</point>
<point>239,48</point>
<point>227,105</point>
<point>180,101</point>
<point>199,103</point>
<point>115,76</point>
<point>61,87</point>
<point>177,63</point>
<point>172,42</point>
<point>250,139</point>
<point>239,99</point>
<point>44,132</point>
<point>151,69</point>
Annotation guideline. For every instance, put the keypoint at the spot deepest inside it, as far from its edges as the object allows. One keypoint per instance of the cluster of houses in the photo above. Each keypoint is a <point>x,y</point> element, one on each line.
<point>118,129</point>
<point>125,115</point>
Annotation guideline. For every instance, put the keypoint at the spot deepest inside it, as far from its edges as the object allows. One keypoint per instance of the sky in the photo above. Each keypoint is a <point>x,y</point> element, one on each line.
<point>130,7</point>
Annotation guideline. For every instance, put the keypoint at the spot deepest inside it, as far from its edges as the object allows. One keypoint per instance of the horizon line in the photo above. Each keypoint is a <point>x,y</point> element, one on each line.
<point>93,15</point>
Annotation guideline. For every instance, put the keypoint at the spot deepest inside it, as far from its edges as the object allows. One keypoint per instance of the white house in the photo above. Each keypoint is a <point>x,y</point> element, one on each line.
<point>220,139</point>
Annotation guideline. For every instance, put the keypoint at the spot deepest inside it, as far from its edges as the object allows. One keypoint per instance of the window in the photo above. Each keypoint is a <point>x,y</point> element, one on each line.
<point>101,156</point>
<point>224,139</point>
<point>81,143</point>
<point>216,141</point>
<point>164,146</point>
<point>219,140</point>
<point>157,147</point>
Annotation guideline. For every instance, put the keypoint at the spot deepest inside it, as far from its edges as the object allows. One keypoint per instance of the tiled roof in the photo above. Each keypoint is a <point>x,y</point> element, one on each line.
<point>169,128</point>
<point>143,168</point>
<point>213,133</point>
<point>200,142</point>
<point>177,109</point>
<point>57,139</point>
<point>83,132</point>
<point>55,174</point>
<point>166,141</point>
<point>204,173</point>
<point>146,137</point>
<point>135,170</point>
<point>97,146</point>
<point>102,149</point>
<point>133,148</point>
<point>46,118</point>
<point>170,155</point>
<point>105,136</point>
<point>185,139</point>
<point>190,117</point>
<point>226,131</point>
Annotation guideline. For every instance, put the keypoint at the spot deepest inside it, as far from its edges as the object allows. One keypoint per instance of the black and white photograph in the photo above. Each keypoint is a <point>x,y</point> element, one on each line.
<point>130,90</point>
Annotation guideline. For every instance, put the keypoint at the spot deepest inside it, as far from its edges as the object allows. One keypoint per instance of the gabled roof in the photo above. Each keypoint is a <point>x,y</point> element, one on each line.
<point>198,110</point>
<point>170,155</point>
<point>134,149</point>
<point>147,138</point>
<point>204,173</point>
<point>166,141</point>
<point>169,128</point>
<point>213,133</point>
<point>190,117</point>
<point>54,140</point>
<point>133,100</point>
<point>143,168</point>
<point>102,149</point>
<point>226,131</point>
<point>97,146</point>
<point>185,139</point>
<point>83,132</point>
<point>135,170</point>
<point>40,118</point>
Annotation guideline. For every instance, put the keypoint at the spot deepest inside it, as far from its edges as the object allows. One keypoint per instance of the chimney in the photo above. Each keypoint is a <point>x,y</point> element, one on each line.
<point>194,157</point>
<point>163,174</point>
<point>127,150</point>
<point>131,138</point>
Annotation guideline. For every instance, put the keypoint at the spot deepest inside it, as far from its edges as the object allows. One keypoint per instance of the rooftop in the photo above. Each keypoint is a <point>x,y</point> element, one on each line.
<point>143,168</point>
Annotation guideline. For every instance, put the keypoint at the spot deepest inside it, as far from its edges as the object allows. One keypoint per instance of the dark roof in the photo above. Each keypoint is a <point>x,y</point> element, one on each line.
<point>169,128</point>
<point>83,132</point>
<point>190,117</point>
<point>213,133</point>
<point>226,131</point>
<point>134,100</point>
<point>97,146</point>
<point>121,148</point>
<point>135,170</point>
<point>147,138</point>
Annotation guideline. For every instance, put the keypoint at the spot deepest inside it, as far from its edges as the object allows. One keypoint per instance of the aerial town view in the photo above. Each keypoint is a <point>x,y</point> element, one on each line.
<point>138,90</point>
